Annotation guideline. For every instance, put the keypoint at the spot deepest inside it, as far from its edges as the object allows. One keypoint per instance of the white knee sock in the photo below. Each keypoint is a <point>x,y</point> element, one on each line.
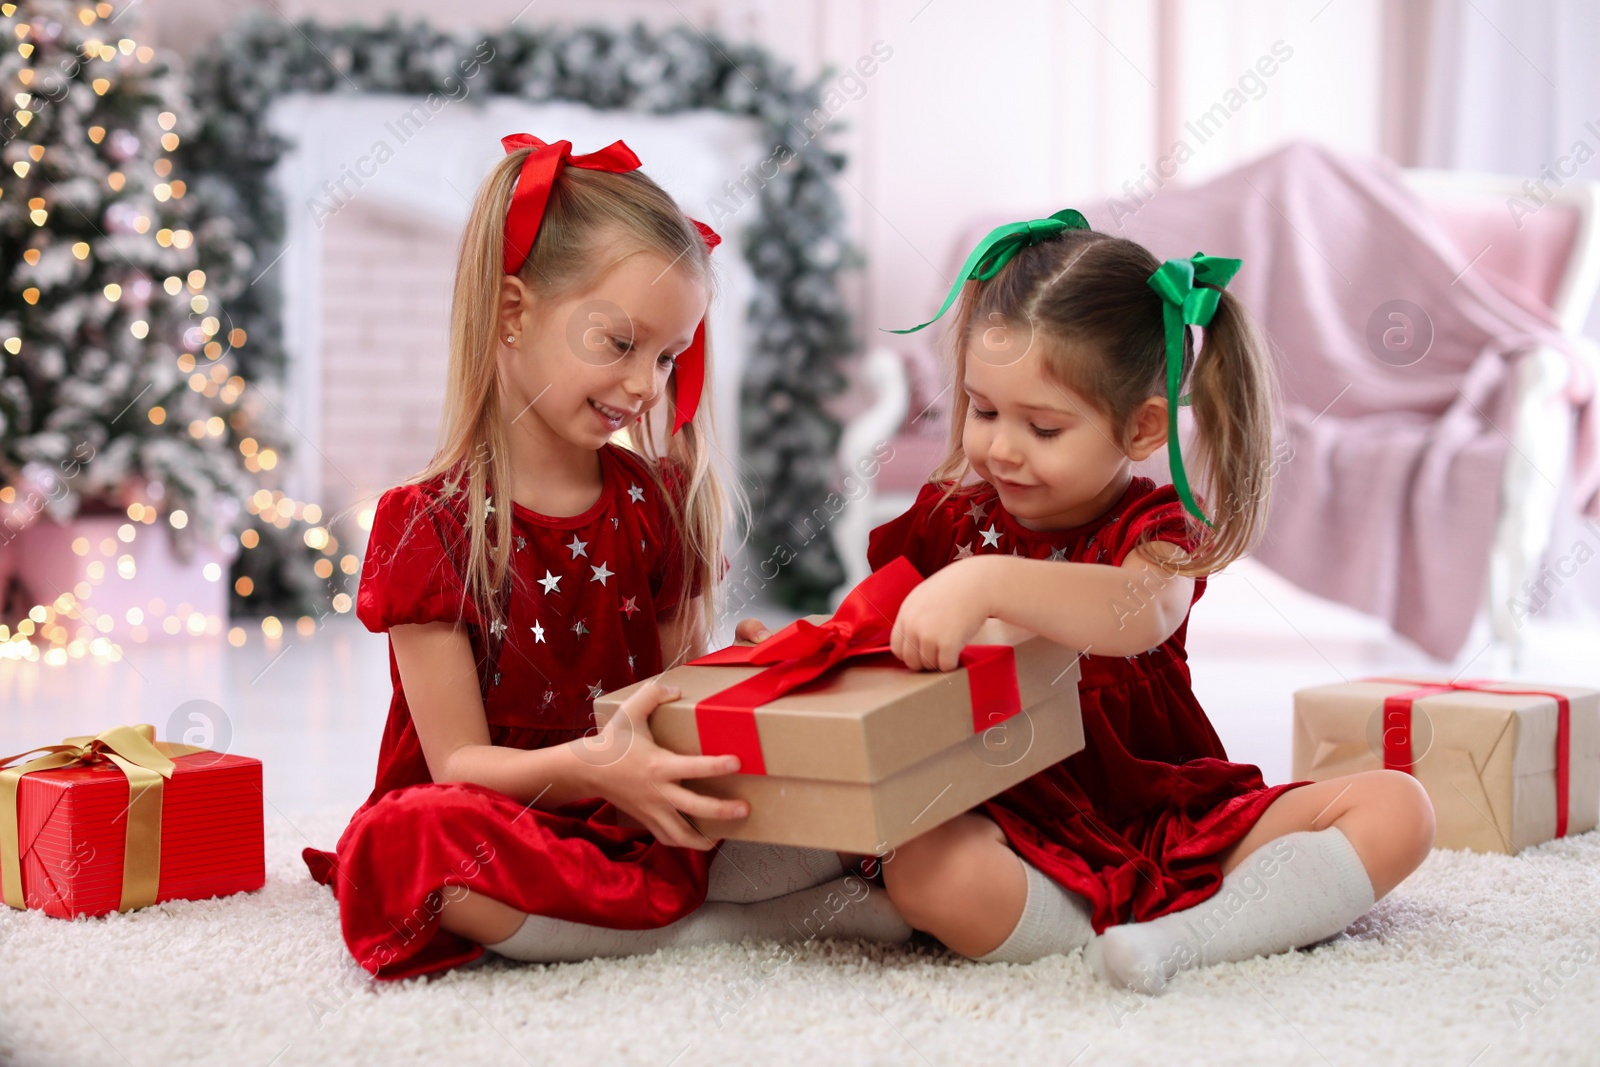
<point>1053,920</point>
<point>844,908</point>
<point>1301,888</point>
<point>744,872</point>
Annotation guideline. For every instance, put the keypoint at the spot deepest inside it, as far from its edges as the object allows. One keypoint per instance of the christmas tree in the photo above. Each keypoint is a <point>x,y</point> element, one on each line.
<point>120,388</point>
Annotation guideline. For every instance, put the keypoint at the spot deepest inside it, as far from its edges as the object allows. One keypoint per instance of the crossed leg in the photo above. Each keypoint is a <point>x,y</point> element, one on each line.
<point>1316,860</point>
<point>964,884</point>
<point>960,882</point>
<point>1386,815</point>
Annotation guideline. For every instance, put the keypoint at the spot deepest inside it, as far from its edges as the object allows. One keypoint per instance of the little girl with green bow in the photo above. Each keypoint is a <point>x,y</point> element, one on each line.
<point>1072,353</point>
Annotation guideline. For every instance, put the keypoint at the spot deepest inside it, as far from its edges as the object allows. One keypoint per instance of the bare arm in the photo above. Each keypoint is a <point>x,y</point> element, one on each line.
<point>1119,611</point>
<point>1116,611</point>
<point>441,686</point>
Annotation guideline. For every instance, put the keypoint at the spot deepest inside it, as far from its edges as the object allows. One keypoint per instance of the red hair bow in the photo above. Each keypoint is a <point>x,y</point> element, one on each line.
<point>538,174</point>
<point>691,366</point>
<point>526,214</point>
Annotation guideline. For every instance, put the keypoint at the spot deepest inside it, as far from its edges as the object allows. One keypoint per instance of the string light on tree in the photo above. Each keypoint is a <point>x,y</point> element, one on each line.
<point>122,388</point>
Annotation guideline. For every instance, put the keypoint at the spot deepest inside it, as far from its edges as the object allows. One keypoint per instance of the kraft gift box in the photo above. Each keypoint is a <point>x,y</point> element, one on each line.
<point>870,754</point>
<point>1506,764</point>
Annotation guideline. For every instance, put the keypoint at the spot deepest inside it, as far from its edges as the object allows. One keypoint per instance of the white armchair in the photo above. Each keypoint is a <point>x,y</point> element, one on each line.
<point>1557,262</point>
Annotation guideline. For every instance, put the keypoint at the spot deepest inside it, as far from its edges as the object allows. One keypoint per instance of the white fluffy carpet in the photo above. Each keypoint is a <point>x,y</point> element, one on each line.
<point>1476,960</point>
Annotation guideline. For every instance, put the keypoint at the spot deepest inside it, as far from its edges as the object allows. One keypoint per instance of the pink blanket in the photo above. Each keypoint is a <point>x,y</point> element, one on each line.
<point>1389,486</point>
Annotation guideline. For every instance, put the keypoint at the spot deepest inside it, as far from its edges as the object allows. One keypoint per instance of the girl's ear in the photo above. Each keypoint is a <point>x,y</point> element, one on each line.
<point>1149,424</point>
<point>516,301</point>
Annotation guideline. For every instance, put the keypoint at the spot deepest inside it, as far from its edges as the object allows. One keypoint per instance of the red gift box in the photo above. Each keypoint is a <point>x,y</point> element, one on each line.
<point>128,822</point>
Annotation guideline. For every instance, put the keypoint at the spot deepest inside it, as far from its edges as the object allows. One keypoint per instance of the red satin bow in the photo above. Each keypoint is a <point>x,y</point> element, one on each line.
<point>1397,752</point>
<point>534,182</point>
<point>803,650</point>
<point>691,365</point>
<point>526,214</point>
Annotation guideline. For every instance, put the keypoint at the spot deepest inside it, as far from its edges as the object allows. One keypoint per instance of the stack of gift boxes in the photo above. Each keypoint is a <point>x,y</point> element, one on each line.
<point>841,747</point>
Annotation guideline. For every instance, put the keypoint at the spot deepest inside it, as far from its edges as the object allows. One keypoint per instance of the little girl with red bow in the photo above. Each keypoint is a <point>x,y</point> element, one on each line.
<point>1072,350</point>
<point>536,564</point>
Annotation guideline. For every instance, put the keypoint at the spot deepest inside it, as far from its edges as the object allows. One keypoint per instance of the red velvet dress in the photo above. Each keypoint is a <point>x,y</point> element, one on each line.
<point>587,591</point>
<point>1136,822</point>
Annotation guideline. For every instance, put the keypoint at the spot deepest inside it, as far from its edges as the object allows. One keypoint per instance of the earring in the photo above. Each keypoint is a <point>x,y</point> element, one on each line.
<point>511,339</point>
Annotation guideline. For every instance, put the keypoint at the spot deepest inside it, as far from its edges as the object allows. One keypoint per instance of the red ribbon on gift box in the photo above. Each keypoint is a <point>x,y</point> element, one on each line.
<point>1397,728</point>
<point>805,650</point>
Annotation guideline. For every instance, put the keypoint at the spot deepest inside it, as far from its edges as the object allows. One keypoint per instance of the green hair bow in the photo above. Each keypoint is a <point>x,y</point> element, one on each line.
<point>996,250</point>
<point>1185,303</point>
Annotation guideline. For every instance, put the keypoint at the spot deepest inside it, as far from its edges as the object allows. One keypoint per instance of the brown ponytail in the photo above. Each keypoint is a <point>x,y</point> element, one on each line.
<point>1233,394</point>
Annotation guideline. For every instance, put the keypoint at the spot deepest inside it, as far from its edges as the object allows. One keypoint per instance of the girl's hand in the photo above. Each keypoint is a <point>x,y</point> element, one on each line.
<point>751,631</point>
<point>642,779</point>
<point>939,618</point>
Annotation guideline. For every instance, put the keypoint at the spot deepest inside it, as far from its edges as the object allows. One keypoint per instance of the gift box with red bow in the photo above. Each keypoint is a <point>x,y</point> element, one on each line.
<point>120,821</point>
<point>842,747</point>
<point>1506,764</point>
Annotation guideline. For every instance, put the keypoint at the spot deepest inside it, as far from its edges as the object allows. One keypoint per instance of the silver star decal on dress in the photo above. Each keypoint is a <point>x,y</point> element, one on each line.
<point>538,633</point>
<point>601,573</point>
<point>594,691</point>
<point>1058,553</point>
<point>975,512</point>
<point>1015,552</point>
<point>488,505</point>
<point>630,663</point>
<point>549,697</point>
<point>522,542</point>
<point>551,582</point>
<point>614,522</point>
<point>964,551</point>
<point>636,494</point>
<point>628,608</point>
<point>579,628</point>
<point>496,678</point>
<point>577,547</point>
<point>497,627</point>
<point>991,537</point>
<point>641,544</point>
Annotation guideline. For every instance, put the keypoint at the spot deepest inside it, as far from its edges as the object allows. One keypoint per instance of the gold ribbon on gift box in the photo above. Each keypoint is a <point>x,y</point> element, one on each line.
<point>146,762</point>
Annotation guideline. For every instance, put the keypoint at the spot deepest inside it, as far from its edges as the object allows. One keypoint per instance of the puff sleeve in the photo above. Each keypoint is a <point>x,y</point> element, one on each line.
<point>1157,516</point>
<point>415,562</point>
<point>925,534</point>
